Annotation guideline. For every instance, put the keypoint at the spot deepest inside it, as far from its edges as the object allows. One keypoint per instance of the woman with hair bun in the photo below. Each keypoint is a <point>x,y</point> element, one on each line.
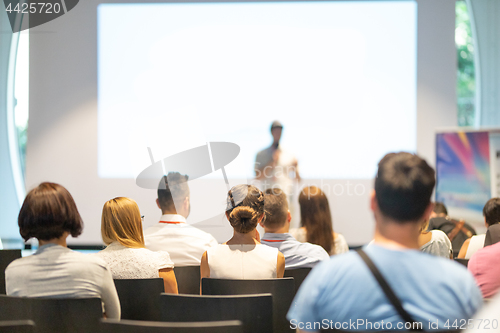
<point>243,256</point>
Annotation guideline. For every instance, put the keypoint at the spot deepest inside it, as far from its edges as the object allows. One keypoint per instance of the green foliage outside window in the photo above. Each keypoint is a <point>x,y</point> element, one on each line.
<point>466,84</point>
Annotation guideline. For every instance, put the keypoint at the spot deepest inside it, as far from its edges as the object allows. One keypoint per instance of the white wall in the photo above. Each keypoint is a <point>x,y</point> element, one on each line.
<point>62,144</point>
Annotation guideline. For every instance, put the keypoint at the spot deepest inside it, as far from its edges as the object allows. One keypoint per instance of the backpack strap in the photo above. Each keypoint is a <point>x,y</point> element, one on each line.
<point>387,289</point>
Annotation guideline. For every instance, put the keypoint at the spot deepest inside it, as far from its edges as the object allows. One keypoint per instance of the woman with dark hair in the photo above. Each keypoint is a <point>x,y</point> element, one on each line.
<point>491,213</point>
<point>243,256</point>
<point>316,222</point>
<point>49,214</point>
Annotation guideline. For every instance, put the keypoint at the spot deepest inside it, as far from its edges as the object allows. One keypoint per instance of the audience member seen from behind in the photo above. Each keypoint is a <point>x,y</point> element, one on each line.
<point>54,271</point>
<point>316,222</point>
<point>243,256</point>
<point>491,213</point>
<point>434,242</point>
<point>431,289</point>
<point>126,254</point>
<point>185,243</point>
<point>457,231</point>
<point>277,225</point>
<point>484,264</point>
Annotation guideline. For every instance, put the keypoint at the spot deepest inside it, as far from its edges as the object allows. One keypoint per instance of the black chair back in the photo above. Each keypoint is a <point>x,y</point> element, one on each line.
<point>133,326</point>
<point>254,311</point>
<point>6,257</point>
<point>188,279</point>
<point>281,289</point>
<point>464,262</point>
<point>17,326</point>
<point>140,298</point>
<point>298,275</point>
<point>68,315</point>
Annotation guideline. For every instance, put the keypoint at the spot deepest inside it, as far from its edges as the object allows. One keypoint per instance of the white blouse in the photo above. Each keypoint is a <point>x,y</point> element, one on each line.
<point>439,245</point>
<point>242,261</point>
<point>339,243</point>
<point>134,263</point>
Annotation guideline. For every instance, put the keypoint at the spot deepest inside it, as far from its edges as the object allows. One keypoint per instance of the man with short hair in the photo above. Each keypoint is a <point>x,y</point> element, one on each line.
<point>185,243</point>
<point>343,293</point>
<point>276,166</point>
<point>276,227</point>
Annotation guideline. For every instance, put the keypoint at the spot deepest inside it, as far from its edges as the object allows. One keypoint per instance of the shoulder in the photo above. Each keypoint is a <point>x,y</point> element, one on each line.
<point>438,234</point>
<point>443,270</point>
<point>312,249</point>
<point>268,249</point>
<point>491,251</point>
<point>88,260</point>
<point>196,232</point>
<point>339,238</point>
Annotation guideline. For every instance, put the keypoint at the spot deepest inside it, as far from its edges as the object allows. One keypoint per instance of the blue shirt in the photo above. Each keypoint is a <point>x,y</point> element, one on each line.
<point>297,254</point>
<point>342,292</point>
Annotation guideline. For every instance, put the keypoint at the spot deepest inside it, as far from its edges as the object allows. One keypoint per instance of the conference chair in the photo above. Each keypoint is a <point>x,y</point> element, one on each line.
<point>6,257</point>
<point>17,326</point>
<point>254,311</point>
<point>140,298</point>
<point>68,315</point>
<point>134,326</point>
<point>188,279</point>
<point>464,262</point>
<point>282,291</point>
<point>298,275</point>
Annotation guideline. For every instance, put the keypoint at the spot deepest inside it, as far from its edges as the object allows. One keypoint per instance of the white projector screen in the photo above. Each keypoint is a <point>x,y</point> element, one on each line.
<point>350,81</point>
<point>175,76</point>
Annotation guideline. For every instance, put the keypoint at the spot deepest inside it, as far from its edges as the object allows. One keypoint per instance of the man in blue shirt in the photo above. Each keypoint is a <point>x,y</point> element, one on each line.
<point>276,226</point>
<point>342,293</point>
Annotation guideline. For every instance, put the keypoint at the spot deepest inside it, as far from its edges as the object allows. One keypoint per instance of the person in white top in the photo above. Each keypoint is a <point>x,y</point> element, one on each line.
<point>276,166</point>
<point>49,214</point>
<point>491,213</point>
<point>126,254</point>
<point>316,222</point>
<point>434,242</point>
<point>243,256</point>
<point>182,241</point>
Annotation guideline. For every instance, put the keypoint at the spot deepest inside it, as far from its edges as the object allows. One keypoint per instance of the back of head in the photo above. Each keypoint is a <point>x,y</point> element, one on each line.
<point>440,208</point>
<point>315,216</point>
<point>172,190</point>
<point>245,206</point>
<point>47,212</point>
<point>121,221</point>
<point>491,211</point>
<point>403,186</point>
<point>276,207</point>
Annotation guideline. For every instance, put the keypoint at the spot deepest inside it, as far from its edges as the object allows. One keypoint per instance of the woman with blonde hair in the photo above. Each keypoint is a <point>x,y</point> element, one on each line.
<point>316,222</point>
<point>126,254</point>
<point>434,242</point>
<point>243,256</point>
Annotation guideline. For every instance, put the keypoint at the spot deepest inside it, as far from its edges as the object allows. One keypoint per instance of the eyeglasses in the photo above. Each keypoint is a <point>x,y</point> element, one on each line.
<point>142,218</point>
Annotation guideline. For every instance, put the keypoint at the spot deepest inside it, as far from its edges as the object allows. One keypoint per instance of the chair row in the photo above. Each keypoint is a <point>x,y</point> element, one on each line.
<point>132,326</point>
<point>141,300</point>
<point>188,278</point>
<point>82,315</point>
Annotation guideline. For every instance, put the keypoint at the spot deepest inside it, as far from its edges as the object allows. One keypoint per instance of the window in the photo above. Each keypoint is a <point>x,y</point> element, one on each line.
<point>466,83</point>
